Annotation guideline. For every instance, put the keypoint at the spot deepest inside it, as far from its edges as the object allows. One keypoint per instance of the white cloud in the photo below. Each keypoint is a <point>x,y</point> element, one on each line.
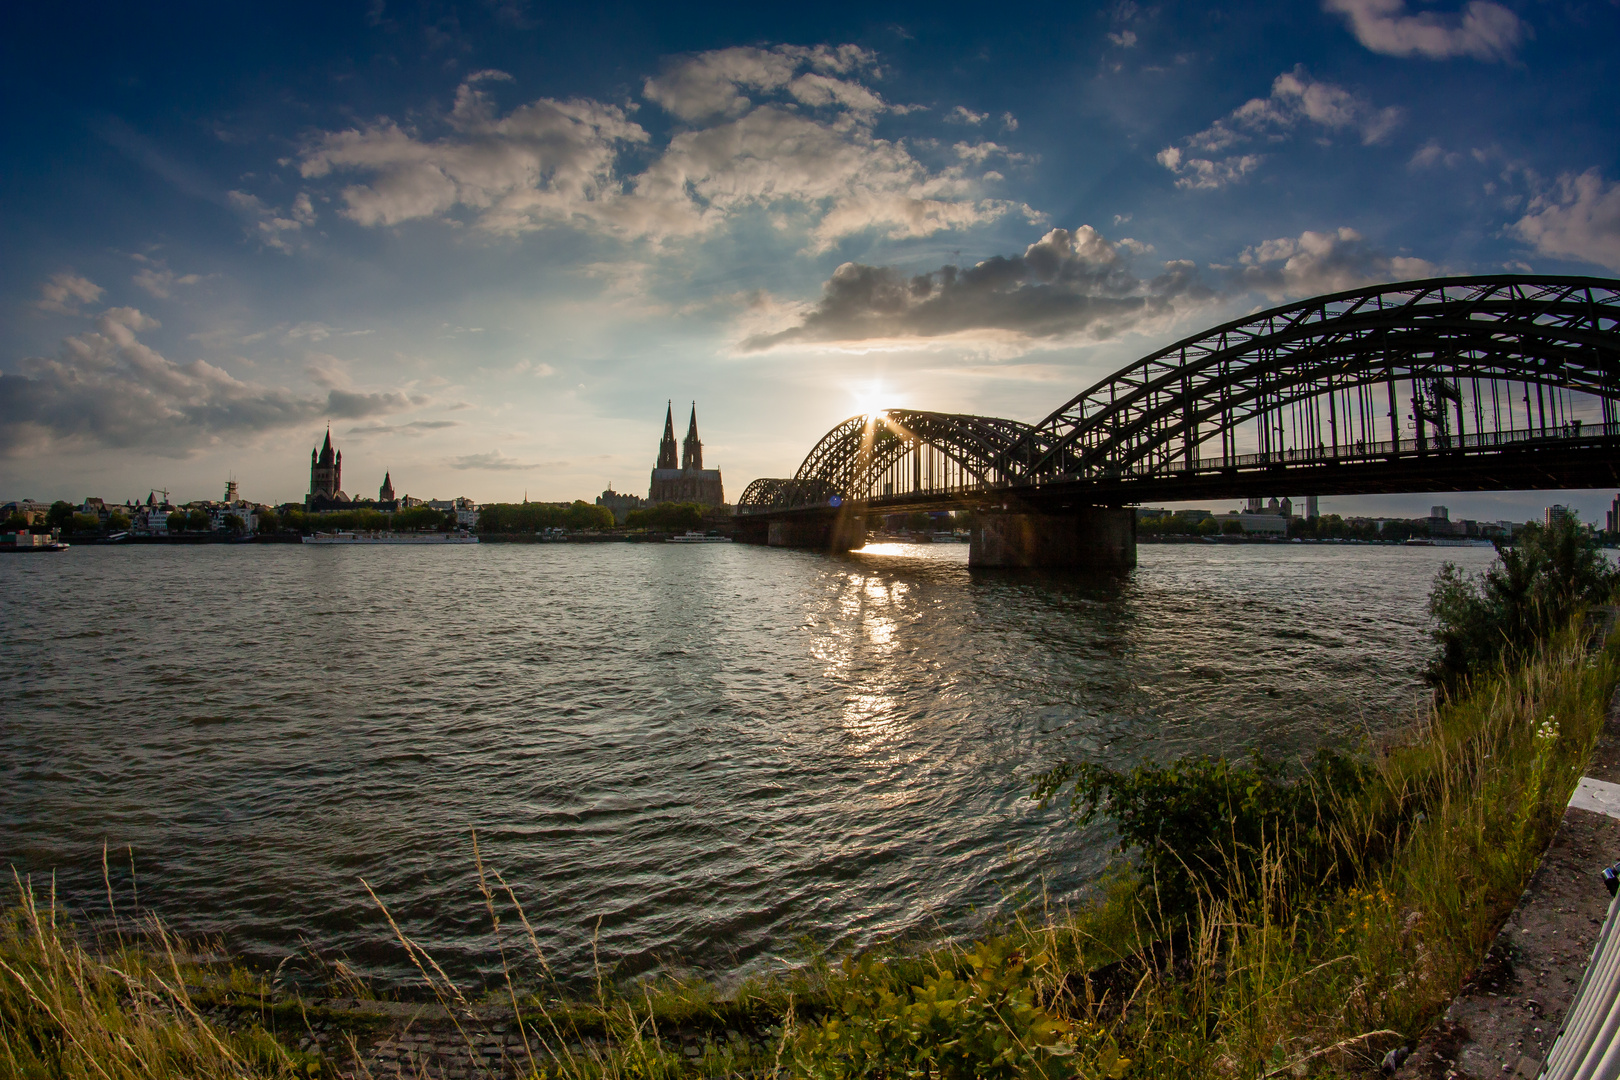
<point>1069,285</point>
<point>158,280</point>
<point>554,162</point>
<point>1125,39</point>
<point>1202,160</point>
<point>107,388</point>
<point>713,83</point>
<point>1578,219</point>
<point>268,223</point>
<point>1314,263</point>
<point>964,115</point>
<point>63,293</point>
<point>1484,30</point>
<point>1431,154</point>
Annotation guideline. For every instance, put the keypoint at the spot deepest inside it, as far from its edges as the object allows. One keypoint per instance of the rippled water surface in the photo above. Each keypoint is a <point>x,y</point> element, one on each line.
<point>708,752</point>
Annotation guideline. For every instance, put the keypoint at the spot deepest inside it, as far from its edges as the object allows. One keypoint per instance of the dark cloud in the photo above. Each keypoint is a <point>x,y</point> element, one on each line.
<point>1067,284</point>
<point>106,388</point>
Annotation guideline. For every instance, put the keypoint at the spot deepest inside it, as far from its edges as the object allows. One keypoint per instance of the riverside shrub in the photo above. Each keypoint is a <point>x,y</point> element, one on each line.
<point>1203,826</point>
<point>984,1020</point>
<point>1534,587</point>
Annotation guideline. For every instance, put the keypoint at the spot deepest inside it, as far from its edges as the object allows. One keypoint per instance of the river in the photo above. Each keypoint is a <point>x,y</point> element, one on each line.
<point>696,755</point>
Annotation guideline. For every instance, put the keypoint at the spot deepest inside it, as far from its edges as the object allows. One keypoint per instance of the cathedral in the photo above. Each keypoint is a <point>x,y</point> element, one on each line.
<point>688,482</point>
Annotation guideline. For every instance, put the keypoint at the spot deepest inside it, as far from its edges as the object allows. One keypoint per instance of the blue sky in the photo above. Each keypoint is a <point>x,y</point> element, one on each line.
<point>486,242</point>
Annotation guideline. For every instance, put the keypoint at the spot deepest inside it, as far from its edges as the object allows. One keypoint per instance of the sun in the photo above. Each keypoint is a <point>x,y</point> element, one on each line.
<point>871,399</point>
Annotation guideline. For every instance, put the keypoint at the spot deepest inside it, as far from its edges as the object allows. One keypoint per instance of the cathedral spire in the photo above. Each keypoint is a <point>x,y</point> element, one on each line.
<point>692,451</point>
<point>666,448</point>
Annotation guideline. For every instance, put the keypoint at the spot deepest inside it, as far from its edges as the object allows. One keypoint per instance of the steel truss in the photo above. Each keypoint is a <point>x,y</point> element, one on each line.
<point>1451,366</point>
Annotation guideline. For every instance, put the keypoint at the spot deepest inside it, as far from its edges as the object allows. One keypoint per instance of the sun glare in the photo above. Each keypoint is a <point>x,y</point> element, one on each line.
<point>871,399</point>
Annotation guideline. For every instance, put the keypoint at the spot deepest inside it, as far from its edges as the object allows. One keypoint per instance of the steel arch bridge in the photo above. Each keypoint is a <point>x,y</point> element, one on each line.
<point>1474,383</point>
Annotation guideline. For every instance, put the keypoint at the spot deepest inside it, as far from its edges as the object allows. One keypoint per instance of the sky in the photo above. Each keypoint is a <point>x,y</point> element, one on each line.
<point>486,243</point>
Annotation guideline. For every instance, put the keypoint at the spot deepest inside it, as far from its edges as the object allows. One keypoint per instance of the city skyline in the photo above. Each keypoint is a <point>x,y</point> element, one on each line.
<point>488,260</point>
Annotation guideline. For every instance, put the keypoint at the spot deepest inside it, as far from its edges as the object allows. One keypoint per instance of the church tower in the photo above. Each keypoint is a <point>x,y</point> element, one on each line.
<point>325,471</point>
<point>386,492</point>
<point>692,449</point>
<point>666,449</point>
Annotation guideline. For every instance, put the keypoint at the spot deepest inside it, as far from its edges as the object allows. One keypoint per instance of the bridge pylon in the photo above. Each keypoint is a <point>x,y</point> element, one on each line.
<point>1082,537</point>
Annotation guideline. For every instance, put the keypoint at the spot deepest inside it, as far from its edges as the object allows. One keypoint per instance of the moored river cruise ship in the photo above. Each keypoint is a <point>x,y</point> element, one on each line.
<point>434,539</point>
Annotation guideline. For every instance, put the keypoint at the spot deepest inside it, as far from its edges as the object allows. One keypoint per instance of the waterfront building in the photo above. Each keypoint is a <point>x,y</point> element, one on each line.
<point>1312,510</point>
<point>688,482</point>
<point>1611,521</point>
<point>152,517</point>
<point>619,502</point>
<point>385,494</point>
<point>465,509</point>
<point>28,509</point>
<point>1558,512</point>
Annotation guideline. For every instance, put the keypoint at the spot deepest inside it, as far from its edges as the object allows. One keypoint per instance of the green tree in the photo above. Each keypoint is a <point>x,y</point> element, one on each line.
<point>1231,527</point>
<point>667,517</point>
<point>60,515</point>
<point>117,522</point>
<point>198,520</point>
<point>235,525</point>
<point>269,521</point>
<point>16,523</point>
<point>1533,588</point>
<point>84,525</point>
<point>418,518</point>
<point>177,521</point>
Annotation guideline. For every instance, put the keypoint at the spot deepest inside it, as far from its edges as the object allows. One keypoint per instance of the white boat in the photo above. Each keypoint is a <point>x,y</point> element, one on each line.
<point>691,537</point>
<point>431,539</point>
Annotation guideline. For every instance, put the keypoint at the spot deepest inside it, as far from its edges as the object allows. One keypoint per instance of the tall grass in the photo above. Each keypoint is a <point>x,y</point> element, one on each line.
<point>120,1010</point>
<point>1279,964</point>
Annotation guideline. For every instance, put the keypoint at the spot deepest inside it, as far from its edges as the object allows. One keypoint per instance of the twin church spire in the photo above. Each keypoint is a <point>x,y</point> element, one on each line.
<point>691,457</point>
<point>688,481</point>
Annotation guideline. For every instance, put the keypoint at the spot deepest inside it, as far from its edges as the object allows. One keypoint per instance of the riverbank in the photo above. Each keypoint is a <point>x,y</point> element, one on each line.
<point>1266,973</point>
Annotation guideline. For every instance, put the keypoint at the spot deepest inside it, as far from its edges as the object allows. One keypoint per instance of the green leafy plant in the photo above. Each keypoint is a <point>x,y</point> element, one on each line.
<point>1203,825</point>
<point>983,1019</point>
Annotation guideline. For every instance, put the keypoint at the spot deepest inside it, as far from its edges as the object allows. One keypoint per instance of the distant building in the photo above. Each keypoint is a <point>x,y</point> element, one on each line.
<point>465,509</point>
<point>1440,523</point>
<point>689,482</point>
<point>1559,512</point>
<point>1312,510</point>
<point>620,503</point>
<point>1611,520</point>
<point>1269,524</point>
<point>386,492</point>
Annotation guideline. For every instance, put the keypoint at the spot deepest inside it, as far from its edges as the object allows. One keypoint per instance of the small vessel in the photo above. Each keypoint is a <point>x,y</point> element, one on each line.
<point>28,543</point>
<point>429,539</point>
<point>693,537</point>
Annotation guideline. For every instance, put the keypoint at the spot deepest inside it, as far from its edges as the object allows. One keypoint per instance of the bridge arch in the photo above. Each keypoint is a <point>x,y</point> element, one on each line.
<point>1435,365</point>
<point>892,453</point>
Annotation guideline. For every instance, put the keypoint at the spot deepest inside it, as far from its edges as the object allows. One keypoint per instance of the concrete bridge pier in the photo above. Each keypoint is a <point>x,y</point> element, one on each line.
<point>1086,537</point>
<point>828,532</point>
